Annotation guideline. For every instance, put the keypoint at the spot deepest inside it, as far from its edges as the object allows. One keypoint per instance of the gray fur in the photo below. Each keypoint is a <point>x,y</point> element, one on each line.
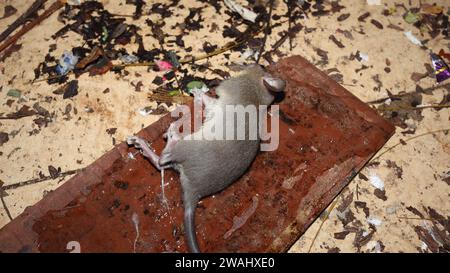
<point>209,166</point>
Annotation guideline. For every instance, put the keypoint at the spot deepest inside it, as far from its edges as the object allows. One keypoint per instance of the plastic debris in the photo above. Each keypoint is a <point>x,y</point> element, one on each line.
<point>194,87</point>
<point>245,13</point>
<point>412,38</point>
<point>66,63</point>
<point>164,66</point>
<point>373,2</point>
<point>374,221</point>
<point>145,111</point>
<point>441,69</point>
<point>74,2</point>
<point>376,181</point>
<point>412,18</point>
<point>174,93</point>
<point>174,59</point>
<point>105,34</point>
<point>131,156</point>
<point>128,59</point>
<point>364,57</point>
<point>374,247</point>
<point>14,93</point>
<point>248,53</point>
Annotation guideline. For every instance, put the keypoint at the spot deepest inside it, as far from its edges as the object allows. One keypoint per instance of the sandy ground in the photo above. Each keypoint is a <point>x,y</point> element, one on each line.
<point>72,141</point>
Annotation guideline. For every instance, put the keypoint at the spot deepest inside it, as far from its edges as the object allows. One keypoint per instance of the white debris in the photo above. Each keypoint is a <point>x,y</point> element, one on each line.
<point>376,181</point>
<point>145,111</point>
<point>388,101</point>
<point>411,123</point>
<point>128,59</point>
<point>423,246</point>
<point>239,221</point>
<point>163,193</point>
<point>248,53</point>
<point>131,156</point>
<point>245,13</point>
<point>393,208</point>
<point>88,109</point>
<point>256,55</point>
<point>373,247</point>
<point>197,92</point>
<point>364,57</point>
<point>74,2</point>
<point>374,221</point>
<point>373,2</point>
<point>412,38</point>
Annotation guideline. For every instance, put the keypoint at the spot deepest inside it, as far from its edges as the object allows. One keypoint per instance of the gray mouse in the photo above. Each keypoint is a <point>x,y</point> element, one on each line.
<point>209,166</point>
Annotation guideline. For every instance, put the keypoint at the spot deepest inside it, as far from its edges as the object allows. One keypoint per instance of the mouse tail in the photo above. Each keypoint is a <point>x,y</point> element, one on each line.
<point>190,203</point>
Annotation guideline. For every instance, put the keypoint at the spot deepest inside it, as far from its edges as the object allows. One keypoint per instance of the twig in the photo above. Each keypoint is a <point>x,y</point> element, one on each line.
<point>409,139</point>
<point>415,218</point>
<point>408,93</point>
<point>52,77</point>
<point>193,58</point>
<point>3,194</point>
<point>6,208</point>
<point>22,19</point>
<point>389,149</point>
<point>190,59</point>
<point>393,108</point>
<point>38,180</point>
<point>266,32</point>
<point>54,7</point>
<point>321,224</point>
<point>182,61</point>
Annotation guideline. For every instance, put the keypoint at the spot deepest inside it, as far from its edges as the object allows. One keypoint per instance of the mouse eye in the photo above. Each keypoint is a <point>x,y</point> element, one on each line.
<point>274,84</point>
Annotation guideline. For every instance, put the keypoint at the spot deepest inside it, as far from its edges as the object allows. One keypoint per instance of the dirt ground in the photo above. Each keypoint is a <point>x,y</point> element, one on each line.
<point>399,205</point>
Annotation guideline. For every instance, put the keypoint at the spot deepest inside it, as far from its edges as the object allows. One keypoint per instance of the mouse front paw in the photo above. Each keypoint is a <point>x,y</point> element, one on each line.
<point>135,141</point>
<point>138,143</point>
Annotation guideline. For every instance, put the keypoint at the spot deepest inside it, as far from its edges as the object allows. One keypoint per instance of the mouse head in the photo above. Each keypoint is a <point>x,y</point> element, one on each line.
<point>266,82</point>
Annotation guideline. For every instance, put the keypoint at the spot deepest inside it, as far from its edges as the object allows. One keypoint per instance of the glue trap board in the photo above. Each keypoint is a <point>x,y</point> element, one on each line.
<point>114,205</point>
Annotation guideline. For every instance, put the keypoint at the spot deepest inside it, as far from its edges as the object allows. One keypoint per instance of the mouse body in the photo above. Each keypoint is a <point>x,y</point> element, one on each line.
<point>207,165</point>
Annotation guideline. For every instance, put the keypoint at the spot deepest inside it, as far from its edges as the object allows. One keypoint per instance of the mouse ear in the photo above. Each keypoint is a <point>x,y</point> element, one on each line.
<point>274,84</point>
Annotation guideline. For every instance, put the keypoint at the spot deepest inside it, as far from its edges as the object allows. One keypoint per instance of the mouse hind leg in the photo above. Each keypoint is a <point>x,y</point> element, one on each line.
<point>148,152</point>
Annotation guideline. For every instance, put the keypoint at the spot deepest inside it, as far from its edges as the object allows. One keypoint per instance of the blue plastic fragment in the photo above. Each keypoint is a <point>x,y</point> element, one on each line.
<point>66,63</point>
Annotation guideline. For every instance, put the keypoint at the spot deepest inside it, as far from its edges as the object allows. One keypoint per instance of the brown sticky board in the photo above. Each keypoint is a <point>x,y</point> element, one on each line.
<point>326,137</point>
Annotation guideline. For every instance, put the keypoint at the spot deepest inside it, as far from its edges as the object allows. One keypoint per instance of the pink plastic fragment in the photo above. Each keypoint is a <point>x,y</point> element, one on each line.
<point>163,65</point>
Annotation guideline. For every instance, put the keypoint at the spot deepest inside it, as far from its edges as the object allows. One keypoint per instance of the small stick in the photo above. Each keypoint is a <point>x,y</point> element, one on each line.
<point>22,19</point>
<point>192,58</point>
<point>435,106</point>
<point>3,194</point>
<point>409,139</point>
<point>54,7</point>
<point>266,31</point>
<point>182,61</point>
<point>6,208</point>
<point>38,180</point>
<point>408,93</point>
<point>321,224</point>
